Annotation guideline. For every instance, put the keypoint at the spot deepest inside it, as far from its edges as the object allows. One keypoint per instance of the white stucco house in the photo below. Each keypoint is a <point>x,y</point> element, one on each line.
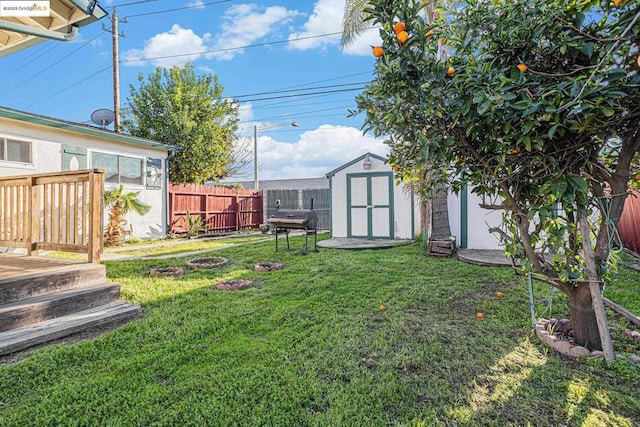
<point>367,202</point>
<point>32,144</point>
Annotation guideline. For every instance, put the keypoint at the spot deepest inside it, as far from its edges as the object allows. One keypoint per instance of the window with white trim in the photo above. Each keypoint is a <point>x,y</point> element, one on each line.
<point>16,150</point>
<point>119,169</point>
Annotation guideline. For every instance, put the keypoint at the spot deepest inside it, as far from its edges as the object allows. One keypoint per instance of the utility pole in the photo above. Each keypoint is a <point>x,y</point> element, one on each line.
<point>116,71</point>
<point>116,67</point>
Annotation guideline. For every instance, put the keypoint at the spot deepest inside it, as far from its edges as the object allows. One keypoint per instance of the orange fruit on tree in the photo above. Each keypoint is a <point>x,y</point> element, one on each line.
<point>399,27</point>
<point>378,51</point>
<point>516,150</point>
<point>395,168</point>
<point>522,67</point>
<point>619,2</point>
<point>429,34</point>
<point>480,316</point>
<point>403,36</point>
<point>499,294</point>
<point>450,71</point>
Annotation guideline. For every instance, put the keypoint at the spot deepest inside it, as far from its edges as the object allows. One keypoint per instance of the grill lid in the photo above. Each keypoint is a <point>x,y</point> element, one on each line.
<point>300,218</point>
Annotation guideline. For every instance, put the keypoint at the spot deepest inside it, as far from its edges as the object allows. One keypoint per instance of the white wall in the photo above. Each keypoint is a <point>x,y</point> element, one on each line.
<point>479,221</point>
<point>47,158</point>
<point>402,201</point>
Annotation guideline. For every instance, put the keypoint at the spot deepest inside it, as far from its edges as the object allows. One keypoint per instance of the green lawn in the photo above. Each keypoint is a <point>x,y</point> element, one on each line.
<point>309,345</point>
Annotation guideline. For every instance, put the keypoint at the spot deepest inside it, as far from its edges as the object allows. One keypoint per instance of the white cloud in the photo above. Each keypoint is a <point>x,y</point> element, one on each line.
<point>327,18</point>
<point>316,153</point>
<point>198,4</point>
<point>167,48</point>
<point>261,22</point>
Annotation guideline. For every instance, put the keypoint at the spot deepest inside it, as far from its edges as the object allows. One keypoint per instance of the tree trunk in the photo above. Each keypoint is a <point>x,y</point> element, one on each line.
<point>583,317</point>
<point>440,228</point>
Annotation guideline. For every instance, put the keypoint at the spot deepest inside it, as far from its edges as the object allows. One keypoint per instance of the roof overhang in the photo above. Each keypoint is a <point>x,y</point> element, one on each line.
<point>62,23</point>
<point>80,128</point>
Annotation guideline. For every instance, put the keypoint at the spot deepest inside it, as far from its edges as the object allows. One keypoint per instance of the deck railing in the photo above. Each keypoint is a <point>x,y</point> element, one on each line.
<point>55,211</point>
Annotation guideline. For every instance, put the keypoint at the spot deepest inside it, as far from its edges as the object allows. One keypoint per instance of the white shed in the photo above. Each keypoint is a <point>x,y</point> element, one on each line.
<point>366,202</point>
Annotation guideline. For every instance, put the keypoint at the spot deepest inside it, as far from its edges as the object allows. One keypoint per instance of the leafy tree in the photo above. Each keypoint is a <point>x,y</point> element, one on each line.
<point>176,106</point>
<point>433,205</point>
<point>119,204</point>
<point>536,105</point>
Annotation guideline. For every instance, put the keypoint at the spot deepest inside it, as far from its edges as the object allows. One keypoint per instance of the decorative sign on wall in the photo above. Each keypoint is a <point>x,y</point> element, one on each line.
<point>154,173</point>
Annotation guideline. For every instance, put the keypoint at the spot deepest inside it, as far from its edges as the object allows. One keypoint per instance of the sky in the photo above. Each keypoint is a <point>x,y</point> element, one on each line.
<point>280,59</point>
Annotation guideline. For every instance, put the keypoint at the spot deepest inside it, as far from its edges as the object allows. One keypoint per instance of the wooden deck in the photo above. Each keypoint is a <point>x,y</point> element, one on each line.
<point>17,265</point>
<point>44,299</point>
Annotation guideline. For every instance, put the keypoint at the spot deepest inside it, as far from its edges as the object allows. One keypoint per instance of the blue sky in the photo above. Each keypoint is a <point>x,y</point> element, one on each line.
<point>255,48</point>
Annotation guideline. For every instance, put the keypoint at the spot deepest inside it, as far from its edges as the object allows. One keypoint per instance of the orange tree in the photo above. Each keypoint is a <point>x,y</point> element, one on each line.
<point>534,104</point>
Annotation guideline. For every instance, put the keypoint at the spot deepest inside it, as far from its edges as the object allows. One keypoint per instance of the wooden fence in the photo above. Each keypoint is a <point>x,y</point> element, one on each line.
<point>629,225</point>
<point>56,211</point>
<point>220,208</point>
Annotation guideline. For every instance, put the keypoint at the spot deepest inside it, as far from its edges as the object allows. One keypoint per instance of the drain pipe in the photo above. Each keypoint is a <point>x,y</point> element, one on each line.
<point>39,32</point>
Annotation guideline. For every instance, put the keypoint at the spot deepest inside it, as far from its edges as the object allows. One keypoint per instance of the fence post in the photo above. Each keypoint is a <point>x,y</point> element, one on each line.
<point>34,218</point>
<point>95,215</point>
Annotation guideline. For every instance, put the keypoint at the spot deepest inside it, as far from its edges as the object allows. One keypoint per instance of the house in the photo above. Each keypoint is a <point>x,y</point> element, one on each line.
<point>366,201</point>
<point>33,144</point>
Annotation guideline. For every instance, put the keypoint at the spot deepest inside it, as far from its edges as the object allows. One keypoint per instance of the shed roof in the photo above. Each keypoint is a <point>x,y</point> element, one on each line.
<point>80,128</point>
<point>354,161</point>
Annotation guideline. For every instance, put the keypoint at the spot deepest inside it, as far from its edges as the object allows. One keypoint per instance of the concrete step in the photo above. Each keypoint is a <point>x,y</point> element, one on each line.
<point>113,313</point>
<point>49,306</point>
<point>32,284</point>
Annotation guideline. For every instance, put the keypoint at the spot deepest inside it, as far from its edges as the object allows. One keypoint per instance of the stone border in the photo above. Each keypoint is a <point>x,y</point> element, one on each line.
<point>234,285</point>
<point>166,272</point>
<point>544,331</point>
<point>268,266</point>
<point>207,262</point>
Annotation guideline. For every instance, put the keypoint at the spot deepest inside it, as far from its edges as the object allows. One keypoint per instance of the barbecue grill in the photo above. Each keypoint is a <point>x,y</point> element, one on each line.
<point>303,219</point>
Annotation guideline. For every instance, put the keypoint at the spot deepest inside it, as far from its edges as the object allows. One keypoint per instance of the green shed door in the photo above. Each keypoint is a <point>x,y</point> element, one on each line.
<point>370,205</point>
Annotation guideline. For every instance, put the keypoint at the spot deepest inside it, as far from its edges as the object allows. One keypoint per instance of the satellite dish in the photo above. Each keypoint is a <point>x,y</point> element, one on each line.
<point>103,117</point>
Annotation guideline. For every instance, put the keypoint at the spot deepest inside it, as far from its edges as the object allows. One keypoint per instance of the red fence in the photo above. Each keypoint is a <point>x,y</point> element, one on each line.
<point>220,208</point>
<point>629,225</point>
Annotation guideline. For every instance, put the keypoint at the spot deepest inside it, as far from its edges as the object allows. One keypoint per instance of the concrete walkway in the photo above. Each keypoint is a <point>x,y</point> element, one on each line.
<point>354,244</point>
<point>115,253</point>
<point>485,257</point>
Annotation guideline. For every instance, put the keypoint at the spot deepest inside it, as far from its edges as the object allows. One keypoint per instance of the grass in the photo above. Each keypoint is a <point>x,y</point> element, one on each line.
<point>175,246</point>
<point>309,346</point>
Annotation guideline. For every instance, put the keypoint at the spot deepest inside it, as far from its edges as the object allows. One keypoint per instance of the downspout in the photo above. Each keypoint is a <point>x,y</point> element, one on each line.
<point>39,32</point>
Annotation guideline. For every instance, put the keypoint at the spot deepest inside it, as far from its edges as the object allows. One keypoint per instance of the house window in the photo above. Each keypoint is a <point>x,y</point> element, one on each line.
<point>15,150</point>
<point>119,169</point>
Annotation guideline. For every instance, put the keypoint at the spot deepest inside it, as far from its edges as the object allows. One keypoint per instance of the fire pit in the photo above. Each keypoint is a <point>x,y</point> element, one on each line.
<point>234,285</point>
<point>268,266</point>
<point>166,272</point>
<point>207,262</point>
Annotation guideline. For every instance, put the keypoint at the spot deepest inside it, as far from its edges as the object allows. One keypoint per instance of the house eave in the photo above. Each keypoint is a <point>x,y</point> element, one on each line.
<point>82,129</point>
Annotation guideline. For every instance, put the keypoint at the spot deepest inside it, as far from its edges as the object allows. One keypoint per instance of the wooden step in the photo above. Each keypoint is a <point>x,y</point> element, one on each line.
<point>54,279</point>
<point>53,329</point>
<point>49,306</point>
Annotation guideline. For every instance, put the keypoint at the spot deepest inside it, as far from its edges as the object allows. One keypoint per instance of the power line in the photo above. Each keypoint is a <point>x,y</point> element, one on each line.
<point>231,48</point>
<point>51,65</point>
<point>198,6</point>
<point>68,87</point>
<point>291,90</point>
<point>295,95</point>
